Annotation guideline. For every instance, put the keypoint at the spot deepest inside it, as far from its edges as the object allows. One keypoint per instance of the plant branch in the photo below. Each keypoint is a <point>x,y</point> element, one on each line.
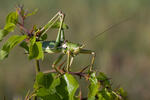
<point>37,67</point>
<point>80,74</point>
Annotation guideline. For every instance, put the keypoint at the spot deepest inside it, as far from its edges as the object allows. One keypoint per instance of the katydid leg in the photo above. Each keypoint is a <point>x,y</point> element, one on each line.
<point>71,60</point>
<point>60,36</point>
<point>57,61</point>
<point>83,51</point>
<point>68,61</point>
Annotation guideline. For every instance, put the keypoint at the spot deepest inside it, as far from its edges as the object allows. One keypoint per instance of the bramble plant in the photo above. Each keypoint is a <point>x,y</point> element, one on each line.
<point>58,83</point>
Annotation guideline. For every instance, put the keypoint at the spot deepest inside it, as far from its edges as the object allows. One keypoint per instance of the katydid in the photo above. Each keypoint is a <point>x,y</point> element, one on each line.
<point>60,45</point>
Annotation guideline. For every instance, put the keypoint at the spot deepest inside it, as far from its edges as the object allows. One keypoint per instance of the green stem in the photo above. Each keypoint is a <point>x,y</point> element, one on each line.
<point>35,98</point>
<point>37,66</point>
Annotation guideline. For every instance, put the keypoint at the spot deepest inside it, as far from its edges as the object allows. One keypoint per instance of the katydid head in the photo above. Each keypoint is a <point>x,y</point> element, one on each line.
<point>73,48</point>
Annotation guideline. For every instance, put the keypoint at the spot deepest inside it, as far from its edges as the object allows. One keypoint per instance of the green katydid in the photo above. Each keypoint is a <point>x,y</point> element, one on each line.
<point>60,45</point>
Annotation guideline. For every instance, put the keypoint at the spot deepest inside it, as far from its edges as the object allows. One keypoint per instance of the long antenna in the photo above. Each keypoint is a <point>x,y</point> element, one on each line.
<point>109,28</point>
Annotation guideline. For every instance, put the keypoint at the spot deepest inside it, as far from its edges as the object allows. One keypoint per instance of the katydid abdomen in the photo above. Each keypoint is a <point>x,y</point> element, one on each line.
<point>50,47</point>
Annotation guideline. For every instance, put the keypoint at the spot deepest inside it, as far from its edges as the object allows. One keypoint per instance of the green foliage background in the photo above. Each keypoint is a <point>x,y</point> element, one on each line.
<point>123,52</point>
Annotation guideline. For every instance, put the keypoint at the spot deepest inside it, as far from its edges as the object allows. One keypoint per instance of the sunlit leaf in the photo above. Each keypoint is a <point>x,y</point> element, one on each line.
<point>48,87</point>
<point>104,80</point>
<point>3,33</point>
<point>12,18</point>
<point>35,49</point>
<point>10,25</point>
<point>72,85</point>
<point>45,86</point>
<point>40,51</point>
<point>93,87</point>
<point>106,94</point>
<point>11,43</point>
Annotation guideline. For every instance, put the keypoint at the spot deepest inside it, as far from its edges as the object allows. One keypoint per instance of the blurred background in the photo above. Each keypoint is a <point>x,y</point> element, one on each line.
<point>123,52</point>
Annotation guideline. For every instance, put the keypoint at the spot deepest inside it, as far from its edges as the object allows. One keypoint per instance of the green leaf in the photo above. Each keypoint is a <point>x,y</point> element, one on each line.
<point>35,49</point>
<point>104,80</point>
<point>122,93</point>
<point>57,25</point>
<point>40,50</point>
<point>25,46</point>
<point>12,17</point>
<point>48,87</point>
<point>43,80</point>
<point>72,85</point>
<point>3,33</point>
<point>44,37</point>
<point>11,43</point>
<point>32,13</point>
<point>93,87</point>
<point>8,28</point>
<point>45,86</point>
<point>106,94</point>
<point>10,25</point>
<point>67,88</point>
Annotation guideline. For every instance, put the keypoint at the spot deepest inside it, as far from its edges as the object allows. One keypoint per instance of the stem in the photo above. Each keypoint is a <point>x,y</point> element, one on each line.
<point>35,98</point>
<point>37,67</point>
<point>80,74</point>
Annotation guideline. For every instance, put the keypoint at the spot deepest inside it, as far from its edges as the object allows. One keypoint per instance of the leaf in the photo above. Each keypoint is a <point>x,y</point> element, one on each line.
<point>57,25</point>
<point>48,87</point>
<point>106,94</point>
<point>40,50</point>
<point>3,33</point>
<point>45,86</point>
<point>44,37</point>
<point>122,93</point>
<point>93,87</point>
<point>35,49</point>
<point>12,18</point>
<point>32,13</point>
<point>104,80</point>
<point>72,85</point>
<point>11,43</point>
<point>25,46</point>
<point>43,80</point>
<point>67,87</point>
<point>10,25</point>
<point>8,28</point>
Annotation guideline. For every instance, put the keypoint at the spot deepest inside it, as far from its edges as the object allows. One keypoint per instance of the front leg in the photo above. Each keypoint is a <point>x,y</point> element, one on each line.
<point>68,61</point>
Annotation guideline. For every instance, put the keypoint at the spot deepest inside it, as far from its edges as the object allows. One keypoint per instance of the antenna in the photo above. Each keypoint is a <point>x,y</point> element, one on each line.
<point>109,28</point>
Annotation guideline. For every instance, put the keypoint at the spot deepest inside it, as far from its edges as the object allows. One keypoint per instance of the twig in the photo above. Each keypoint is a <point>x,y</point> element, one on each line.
<point>80,74</point>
